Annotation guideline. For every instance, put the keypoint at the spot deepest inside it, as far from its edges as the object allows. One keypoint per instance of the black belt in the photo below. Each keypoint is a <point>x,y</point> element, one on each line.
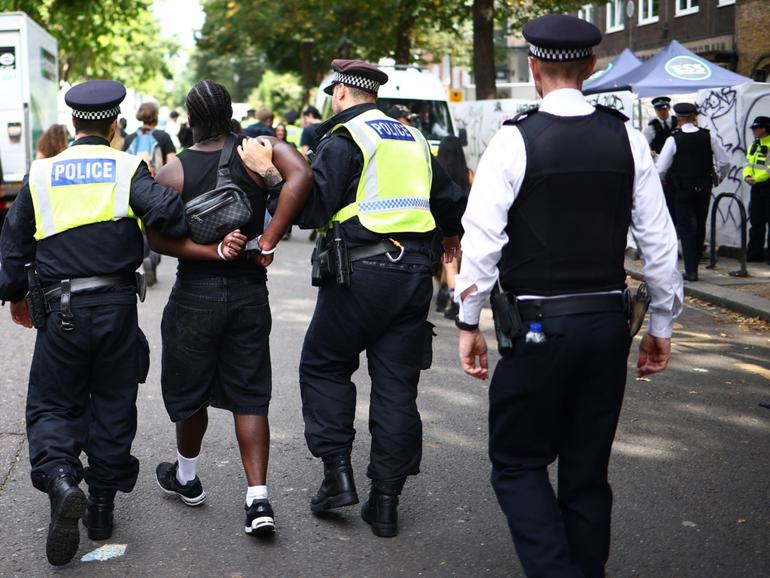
<point>386,246</point>
<point>81,284</point>
<point>532,309</point>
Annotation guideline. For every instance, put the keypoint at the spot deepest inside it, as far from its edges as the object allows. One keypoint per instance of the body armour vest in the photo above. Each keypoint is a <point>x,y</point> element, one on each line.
<point>693,158</point>
<point>568,224</point>
<point>662,130</point>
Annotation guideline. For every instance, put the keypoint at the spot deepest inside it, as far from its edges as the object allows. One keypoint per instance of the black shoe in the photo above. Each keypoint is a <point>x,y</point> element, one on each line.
<point>380,511</point>
<point>68,504</point>
<point>260,520</point>
<point>99,518</point>
<point>690,276</point>
<point>338,488</point>
<point>191,493</point>
<point>452,311</point>
<point>442,297</point>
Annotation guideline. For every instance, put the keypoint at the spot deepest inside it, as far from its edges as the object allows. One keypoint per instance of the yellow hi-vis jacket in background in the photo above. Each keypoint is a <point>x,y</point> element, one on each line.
<point>393,194</point>
<point>83,185</point>
<point>756,161</point>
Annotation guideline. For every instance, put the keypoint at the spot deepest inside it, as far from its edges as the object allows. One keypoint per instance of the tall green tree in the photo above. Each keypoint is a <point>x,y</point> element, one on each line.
<point>117,39</point>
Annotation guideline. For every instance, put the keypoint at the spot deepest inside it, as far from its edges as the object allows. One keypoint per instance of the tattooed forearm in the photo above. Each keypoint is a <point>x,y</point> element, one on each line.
<point>272,177</point>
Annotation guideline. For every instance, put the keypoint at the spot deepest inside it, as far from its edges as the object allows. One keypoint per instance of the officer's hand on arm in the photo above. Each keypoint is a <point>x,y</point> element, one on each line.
<point>654,353</point>
<point>20,314</point>
<point>451,248</point>
<point>257,155</point>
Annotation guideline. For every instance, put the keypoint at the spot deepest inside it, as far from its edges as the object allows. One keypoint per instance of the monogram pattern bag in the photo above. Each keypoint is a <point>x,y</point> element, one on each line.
<point>214,214</point>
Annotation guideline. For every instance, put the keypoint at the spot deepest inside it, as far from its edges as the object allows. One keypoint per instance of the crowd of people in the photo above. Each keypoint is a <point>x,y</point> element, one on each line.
<point>388,213</point>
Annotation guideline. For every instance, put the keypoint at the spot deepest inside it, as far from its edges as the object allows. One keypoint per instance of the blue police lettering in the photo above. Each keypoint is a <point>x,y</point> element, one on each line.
<point>390,129</point>
<point>83,172</point>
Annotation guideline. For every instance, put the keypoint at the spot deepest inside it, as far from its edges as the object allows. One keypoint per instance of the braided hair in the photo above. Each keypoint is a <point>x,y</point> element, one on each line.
<point>209,109</point>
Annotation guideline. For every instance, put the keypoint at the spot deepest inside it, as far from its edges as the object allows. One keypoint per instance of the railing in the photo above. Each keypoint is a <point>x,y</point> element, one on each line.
<point>713,256</point>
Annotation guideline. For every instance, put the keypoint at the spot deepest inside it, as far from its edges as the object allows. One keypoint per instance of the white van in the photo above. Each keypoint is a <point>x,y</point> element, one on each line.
<point>421,92</point>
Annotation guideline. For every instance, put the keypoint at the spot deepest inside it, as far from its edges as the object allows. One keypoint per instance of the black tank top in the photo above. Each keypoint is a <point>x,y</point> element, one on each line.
<point>200,176</point>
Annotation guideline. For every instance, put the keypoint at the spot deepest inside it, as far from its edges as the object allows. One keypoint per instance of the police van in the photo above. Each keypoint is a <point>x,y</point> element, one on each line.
<point>29,83</point>
<point>419,91</point>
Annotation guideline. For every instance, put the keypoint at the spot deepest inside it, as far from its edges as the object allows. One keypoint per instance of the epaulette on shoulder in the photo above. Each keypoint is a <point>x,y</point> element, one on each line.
<point>521,116</point>
<point>613,111</point>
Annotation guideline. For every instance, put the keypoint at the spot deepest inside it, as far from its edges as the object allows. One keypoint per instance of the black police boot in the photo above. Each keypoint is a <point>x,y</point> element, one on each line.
<point>380,511</point>
<point>99,520</point>
<point>68,503</point>
<point>338,488</point>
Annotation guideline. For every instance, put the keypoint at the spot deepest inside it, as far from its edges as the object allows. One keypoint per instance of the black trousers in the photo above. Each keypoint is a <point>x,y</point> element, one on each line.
<point>693,197</point>
<point>759,218</point>
<point>559,399</point>
<point>383,312</point>
<point>82,397</point>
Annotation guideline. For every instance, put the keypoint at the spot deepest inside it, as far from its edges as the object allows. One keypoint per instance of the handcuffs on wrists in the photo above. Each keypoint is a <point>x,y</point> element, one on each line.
<point>254,247</point>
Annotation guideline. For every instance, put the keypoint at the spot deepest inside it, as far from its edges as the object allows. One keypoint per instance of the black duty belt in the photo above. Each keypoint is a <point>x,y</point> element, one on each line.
<point>393,248</point>
<point>81,284</point>
<point>532,309</point>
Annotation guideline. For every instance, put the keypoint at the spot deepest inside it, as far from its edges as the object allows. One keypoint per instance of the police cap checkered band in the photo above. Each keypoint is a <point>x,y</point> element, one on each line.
<point>366,84</point>
<point>96,114</point>
<point>559,54</point>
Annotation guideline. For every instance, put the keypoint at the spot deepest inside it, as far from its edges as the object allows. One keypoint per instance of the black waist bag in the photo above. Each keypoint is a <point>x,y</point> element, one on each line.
<point>214,214</point>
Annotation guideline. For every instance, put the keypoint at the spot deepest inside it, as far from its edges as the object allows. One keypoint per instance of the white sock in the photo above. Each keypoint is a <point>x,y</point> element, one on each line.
<point>255,493</point>
<point>185,471</point>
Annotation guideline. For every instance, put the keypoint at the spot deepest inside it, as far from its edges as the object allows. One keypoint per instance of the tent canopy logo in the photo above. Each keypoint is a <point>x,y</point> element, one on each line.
<point>687,68</point>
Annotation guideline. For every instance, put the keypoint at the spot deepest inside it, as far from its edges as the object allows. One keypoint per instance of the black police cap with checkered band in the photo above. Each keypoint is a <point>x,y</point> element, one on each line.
<point>358,74</point>
<point>95,99</point>
<point>560,38</point>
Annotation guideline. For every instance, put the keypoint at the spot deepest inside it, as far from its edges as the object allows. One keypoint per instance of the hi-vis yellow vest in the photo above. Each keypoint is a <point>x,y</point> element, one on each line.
<point>756,161</point>
<point>83,185</point>
<point>394,191</point>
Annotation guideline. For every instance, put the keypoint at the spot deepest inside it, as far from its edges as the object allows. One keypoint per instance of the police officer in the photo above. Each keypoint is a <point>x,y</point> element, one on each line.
<point>379,191</point>
<point>656,132</point>
<point>757,175</point>
<point>549,230</point>
<point>76,219</point>
<point>687,160</point>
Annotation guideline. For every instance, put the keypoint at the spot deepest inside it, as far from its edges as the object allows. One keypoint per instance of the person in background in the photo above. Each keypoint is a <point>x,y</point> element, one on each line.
<point>263,126</point>
<point>119,139</point>
<point>686,163</point>
<point>452,158</point>
<point>757,176</point>
<point>402,114</point>
<point>172,124</point>
<point>220,310</point>
<point>282,134</point>
<point>186,135</point>
<point>250,118</point>
<point>235,126</point>
<point>293,132</point>
<point>311,118</point>
<point>53,141</point>
<point>656,132</point>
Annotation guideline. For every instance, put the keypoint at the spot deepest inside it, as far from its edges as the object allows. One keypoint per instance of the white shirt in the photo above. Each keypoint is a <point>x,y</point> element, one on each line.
<point>498,180</point>
<point>666,156</point>
<point>649,130</point>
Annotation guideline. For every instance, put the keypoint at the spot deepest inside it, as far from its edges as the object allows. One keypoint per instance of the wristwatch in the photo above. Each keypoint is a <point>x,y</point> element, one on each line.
<point>465,326</point>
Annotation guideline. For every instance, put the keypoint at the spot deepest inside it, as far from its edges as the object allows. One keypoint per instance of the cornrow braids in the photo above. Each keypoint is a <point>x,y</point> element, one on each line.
<point>210,109</point>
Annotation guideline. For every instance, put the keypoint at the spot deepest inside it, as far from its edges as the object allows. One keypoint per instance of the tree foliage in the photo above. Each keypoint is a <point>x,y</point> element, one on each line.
<point>116,39</point>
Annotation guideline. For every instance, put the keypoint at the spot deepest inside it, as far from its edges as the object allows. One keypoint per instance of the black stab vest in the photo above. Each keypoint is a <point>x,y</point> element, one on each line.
<point>663,130</point>
<point>568,224</point>
<point>693,158</point>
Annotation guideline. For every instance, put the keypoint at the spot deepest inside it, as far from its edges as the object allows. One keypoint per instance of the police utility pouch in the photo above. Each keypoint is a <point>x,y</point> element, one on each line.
<point>216,213</point>
<point>636,306</point>
<point>508,323</point>
<point>37,305</point>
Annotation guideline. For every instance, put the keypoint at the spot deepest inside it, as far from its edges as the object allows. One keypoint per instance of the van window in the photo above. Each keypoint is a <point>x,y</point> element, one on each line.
<point>432,116</point>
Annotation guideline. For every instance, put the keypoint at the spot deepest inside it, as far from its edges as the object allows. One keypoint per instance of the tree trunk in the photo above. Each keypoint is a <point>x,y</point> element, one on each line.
<point>404,36</point>
<point>306,60</point>
<point>484,49</point>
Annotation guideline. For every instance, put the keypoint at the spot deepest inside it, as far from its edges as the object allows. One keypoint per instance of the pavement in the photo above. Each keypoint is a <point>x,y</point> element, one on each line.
<point>689,469</point>
<point>721,286</point>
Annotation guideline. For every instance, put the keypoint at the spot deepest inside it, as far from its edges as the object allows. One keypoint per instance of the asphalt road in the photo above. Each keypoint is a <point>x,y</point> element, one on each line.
<point>690,467</point>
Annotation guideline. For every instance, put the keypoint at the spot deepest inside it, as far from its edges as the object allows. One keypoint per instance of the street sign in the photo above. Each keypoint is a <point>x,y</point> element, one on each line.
<point>455,96</point>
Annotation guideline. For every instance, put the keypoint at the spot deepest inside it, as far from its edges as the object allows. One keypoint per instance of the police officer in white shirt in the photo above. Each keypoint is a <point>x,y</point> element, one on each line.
<point>549,229</point>
<point>687,162</point>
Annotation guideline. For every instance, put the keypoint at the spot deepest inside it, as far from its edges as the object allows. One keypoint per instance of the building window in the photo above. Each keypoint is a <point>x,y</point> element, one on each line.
<point>726,2</point>
<point>648,11</point>
<point>587,13</point>
<point>615,15</point>
<point>685,7</point>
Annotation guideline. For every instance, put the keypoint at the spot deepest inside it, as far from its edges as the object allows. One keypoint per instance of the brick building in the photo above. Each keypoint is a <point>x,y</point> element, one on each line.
<point>707,27</point>
<point>752,38</point>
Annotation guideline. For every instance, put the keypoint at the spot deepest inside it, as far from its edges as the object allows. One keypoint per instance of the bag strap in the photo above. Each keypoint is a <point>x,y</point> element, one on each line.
<point>223,171</point>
